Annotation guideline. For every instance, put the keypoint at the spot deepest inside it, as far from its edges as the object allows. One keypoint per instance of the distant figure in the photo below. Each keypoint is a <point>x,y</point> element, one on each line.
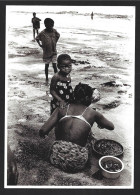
<point>70,151</point>
<point>92,15</point>
<point>12,172</point>
<point>48,38</point>
<point>60,87</point>
<point>36,25</point>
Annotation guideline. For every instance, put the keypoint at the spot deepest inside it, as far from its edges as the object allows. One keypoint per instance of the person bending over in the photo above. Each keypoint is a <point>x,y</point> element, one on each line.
<point>73,125</point>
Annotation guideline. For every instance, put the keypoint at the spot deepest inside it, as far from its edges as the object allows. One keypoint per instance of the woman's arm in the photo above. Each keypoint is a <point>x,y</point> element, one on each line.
<point>103,122</point>
<point>49,124</point>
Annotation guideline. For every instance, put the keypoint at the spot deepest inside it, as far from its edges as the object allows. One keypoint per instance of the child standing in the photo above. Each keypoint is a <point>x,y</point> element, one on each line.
<point>48,38</point>
<point>36,25</point>
<point>60,87</point>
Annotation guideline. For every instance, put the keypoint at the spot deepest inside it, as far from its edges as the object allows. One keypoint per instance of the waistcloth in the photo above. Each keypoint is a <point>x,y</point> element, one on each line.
<point>52,59</point>
<point>68,156</point>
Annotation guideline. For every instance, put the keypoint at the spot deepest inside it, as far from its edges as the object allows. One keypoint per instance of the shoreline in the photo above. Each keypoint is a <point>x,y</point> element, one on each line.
<point>100,55</point>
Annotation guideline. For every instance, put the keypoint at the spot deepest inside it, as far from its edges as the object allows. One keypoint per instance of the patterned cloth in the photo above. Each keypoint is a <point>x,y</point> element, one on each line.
<point>49,41</point>
<point>68,156</point>
<point>64,91</point>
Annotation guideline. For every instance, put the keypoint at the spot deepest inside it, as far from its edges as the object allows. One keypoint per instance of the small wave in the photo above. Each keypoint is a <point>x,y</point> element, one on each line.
<point>101,15</point>
<point>110,16</point>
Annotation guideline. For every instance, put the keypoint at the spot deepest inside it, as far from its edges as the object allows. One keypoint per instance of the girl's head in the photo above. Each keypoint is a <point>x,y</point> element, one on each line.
<point>64,63</point>
<point>83,94</point>
<point>49,23</point>
<point>34,14</point>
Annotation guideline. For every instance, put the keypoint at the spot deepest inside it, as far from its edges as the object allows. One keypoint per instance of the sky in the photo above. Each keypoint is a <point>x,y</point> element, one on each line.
<point>120,10</point>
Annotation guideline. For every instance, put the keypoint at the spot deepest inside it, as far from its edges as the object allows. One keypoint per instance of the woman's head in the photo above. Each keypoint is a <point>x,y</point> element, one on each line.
<point>83,94</point>
<point>64,63</point>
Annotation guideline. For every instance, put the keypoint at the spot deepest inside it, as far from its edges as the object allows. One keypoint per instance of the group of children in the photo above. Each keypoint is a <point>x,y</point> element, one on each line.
<point>60,86</point>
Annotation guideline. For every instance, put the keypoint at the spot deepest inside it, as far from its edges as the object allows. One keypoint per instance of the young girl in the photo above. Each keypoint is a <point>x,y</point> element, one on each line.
<point>60,87</point>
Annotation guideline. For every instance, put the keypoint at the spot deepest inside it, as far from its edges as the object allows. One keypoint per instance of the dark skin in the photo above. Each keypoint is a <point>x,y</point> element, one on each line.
<point>49,30</point>
<point>35,30</point>
<point>63,75</point>
<point>72,129</point>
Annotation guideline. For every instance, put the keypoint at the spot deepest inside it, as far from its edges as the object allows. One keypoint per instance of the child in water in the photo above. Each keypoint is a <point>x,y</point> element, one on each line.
<point>60,87</point>
<point>47,40</point>
<point>36,25</point>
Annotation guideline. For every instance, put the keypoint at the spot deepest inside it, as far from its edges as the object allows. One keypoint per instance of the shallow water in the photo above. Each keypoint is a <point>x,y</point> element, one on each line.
<point>104,43</point>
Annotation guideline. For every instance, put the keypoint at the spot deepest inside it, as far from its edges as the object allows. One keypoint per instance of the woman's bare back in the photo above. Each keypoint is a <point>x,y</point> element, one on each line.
<point>75,124</point>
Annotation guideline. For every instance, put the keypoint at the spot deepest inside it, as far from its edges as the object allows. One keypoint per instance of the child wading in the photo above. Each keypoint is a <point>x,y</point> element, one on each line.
<point>60,87</point>
<point>48,38</point>
<point>36,25</point>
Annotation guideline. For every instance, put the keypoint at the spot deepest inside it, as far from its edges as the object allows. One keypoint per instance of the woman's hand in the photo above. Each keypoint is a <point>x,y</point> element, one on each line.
<point>41,133</point>
<point>100,127</point>
<point>62,104</point>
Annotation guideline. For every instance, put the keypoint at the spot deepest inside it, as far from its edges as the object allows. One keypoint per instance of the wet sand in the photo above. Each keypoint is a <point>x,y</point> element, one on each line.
<point>29,107</point>
<point>28,102</point>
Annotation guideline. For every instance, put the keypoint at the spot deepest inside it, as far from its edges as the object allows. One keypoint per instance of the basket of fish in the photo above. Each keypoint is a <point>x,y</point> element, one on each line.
<point>104,147</point>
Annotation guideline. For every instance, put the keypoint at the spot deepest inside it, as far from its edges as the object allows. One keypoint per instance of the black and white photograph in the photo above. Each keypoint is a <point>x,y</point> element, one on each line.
<point>69,97</point>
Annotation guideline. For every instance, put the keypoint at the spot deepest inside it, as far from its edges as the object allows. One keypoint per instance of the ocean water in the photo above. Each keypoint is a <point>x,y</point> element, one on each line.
<point>97,40</point>
<point>106,42</point>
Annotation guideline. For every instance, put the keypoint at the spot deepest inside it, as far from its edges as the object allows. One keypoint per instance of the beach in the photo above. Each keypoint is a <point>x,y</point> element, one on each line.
<point>103,56</point>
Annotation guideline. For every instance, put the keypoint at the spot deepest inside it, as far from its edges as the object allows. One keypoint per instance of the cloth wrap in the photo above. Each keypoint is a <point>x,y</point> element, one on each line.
<point>68,156</point>
<point>64,91</point>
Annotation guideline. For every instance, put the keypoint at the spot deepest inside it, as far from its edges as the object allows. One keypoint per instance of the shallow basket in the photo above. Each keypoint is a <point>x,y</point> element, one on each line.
<point>110,174</point>
<point>100,154</point>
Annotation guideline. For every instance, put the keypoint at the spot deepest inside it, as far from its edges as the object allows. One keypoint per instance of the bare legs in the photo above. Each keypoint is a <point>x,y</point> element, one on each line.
<point>46,70</point>
<point>34,30</point>
<point>33,34</point>
<point>54,68</point>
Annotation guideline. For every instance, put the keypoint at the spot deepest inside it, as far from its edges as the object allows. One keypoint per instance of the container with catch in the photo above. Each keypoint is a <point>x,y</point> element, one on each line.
<point>105,147</point>
<point>111,167</point>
